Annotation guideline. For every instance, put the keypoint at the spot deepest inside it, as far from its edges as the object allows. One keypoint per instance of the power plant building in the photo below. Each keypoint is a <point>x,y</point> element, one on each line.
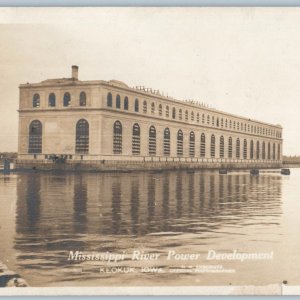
<point>103,122</point>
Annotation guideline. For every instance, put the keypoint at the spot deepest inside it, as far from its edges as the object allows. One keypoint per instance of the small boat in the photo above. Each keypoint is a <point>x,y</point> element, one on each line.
<point>285,171</point>
<point>254,172</point>
<point>222,171</point>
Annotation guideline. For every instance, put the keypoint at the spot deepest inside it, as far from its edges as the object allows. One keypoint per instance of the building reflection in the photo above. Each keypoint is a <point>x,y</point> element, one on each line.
<point>134,206</point>
<point>29,203</point>
<point>80,204</point>
<point>65,211</point>
<point>165,196</point>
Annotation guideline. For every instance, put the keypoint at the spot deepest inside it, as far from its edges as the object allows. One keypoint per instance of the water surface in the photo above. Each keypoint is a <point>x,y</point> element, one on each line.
<point>45,215</point>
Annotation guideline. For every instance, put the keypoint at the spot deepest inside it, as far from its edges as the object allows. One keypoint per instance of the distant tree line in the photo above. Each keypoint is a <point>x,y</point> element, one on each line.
<point>291,159</point>
<point>9,155</point>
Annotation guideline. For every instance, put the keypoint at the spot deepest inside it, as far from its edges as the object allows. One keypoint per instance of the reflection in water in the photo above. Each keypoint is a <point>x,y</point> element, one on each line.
<point>28,208</point>
<point>135,201</point>
<point>116,215</point>
<point>80,204</point>
<point>191,191</point>
<point>146,207</point>
<point>179,191</point>
<point>151,201</point>
<point>58,212</point>
<point>165,198</point>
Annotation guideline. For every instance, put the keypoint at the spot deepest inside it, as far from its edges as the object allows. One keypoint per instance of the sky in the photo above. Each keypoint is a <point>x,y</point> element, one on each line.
<point>244,61</point>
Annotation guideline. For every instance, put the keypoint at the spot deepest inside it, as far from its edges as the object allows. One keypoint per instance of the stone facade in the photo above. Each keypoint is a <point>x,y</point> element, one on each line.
<point>84,121</point>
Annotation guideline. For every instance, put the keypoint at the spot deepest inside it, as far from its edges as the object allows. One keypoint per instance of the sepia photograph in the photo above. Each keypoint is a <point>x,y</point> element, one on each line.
<point>149,151</point>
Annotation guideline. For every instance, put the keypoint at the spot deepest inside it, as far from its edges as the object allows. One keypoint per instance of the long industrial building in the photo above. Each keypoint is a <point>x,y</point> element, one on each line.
<point>71,122</point>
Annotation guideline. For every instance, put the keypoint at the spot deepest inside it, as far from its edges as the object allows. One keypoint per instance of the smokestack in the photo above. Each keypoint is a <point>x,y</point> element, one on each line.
<point>75,72</point>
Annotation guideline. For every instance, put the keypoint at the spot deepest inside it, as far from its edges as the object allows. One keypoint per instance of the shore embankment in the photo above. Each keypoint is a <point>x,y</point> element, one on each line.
<point>290,165</point>
<point>127,166</point>
<point>10,278</point>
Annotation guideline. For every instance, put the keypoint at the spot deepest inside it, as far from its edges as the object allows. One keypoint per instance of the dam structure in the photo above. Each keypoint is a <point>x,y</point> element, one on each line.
<point>70,124</point>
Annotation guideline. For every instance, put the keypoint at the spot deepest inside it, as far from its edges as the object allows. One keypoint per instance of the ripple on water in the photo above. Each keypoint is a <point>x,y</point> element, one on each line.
<point>58,213</point>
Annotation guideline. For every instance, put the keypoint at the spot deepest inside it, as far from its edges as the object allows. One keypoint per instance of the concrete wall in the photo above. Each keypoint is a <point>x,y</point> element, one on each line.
<point>59,131</point>
<point>132,165</point>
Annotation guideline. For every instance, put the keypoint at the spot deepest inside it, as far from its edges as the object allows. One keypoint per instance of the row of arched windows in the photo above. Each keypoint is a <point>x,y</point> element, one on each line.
<point>36,100</point>
<point>192,116</point>
<point>118,102</point>
<point>241,148</point>
<point>264,150</point>
<point>81,140</point>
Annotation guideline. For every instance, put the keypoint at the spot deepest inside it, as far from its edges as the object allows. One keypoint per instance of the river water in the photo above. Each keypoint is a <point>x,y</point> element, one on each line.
<point>44,216</point>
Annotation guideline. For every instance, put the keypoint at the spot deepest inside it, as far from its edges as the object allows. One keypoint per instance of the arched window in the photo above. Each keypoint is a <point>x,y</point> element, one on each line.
<point>109,100</point>
<point>237,148</point>
<point>167,111</point>
<point>198,118</point>
<point>179,143</point>
<point>180,114</point>
<point>52,100</point>
<point>174,113</point>
<point>152,108</point>
<point>82,99</point>
<point>136,105</point>
<point>82,137</point>
<point>274,153</point>
<point>230,147</point>
<point>263,150</point>
<point>245,149</point>
<point>251,150</point>
<point>152,140</point>
<point>186,115</point>
<point>278,152</point>
<point>145,107</point>
<point>118,101</point>
<point>257,150</point>
<point>36,102</point>
<point>202,145</point>
<point>136,139</point>
<point>167,142</point>
<point>160,109</point>
<point>117,138</point>
<point>212,146</point>
<point>126,103</point>
<point>67,99</point>
<point>221,146</point>
<point>192,116</point>
<point>269,151</point>
<point>35,137</point>
<point>192,144</point>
